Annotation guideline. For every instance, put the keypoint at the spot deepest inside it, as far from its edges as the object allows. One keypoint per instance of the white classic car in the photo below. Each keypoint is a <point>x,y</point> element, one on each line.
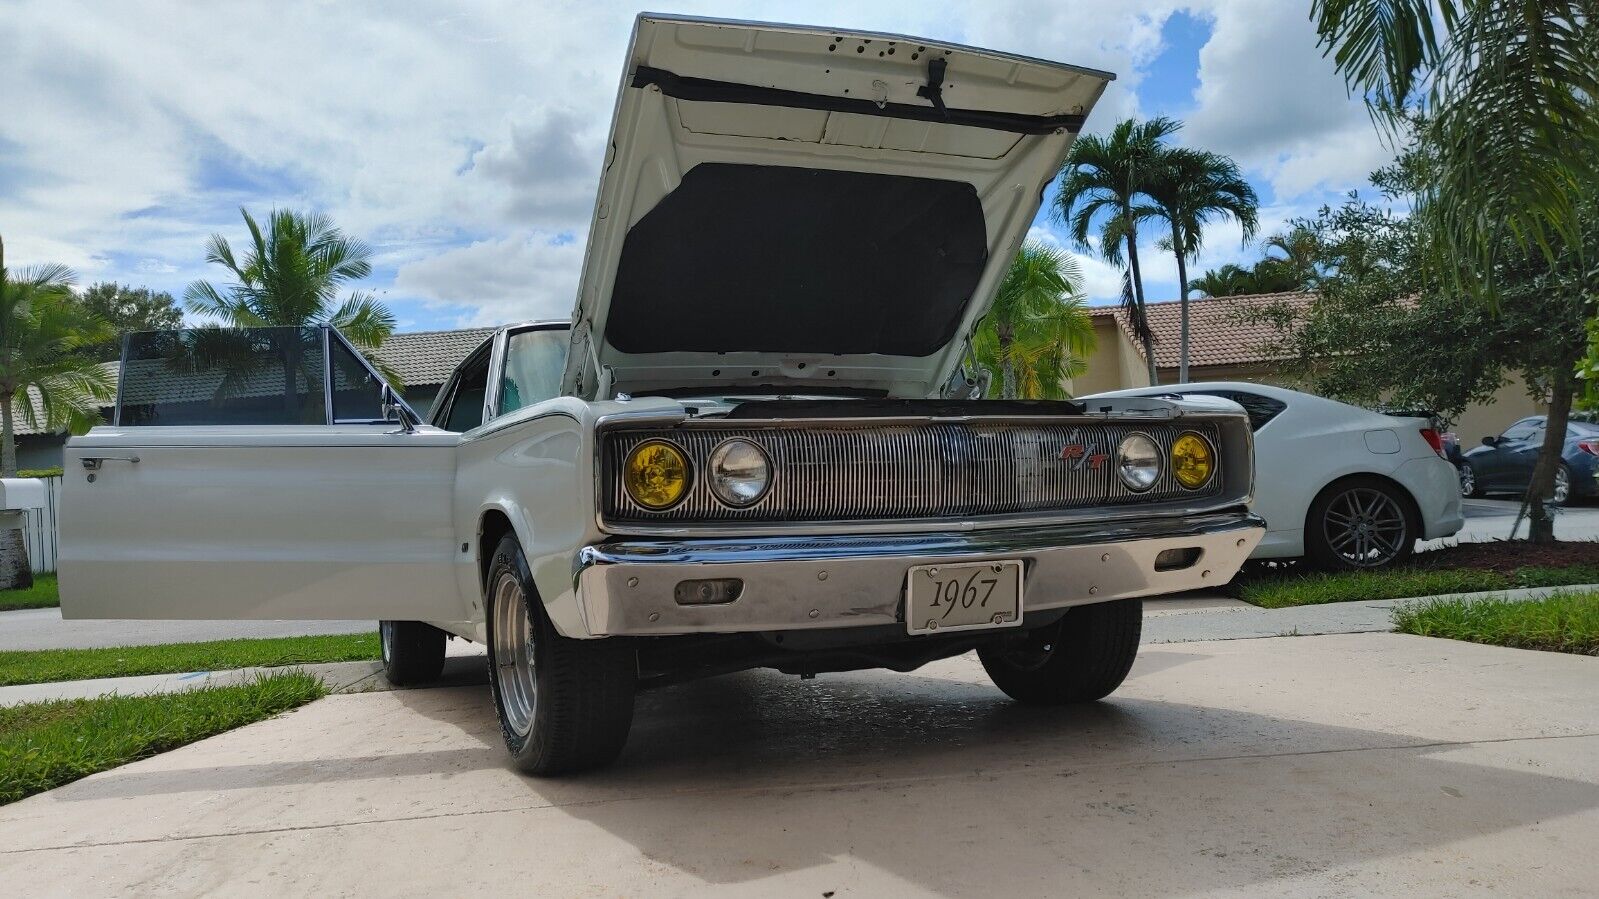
<point>754,445</point>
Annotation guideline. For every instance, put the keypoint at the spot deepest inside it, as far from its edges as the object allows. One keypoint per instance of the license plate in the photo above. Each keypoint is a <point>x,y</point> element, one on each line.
<point>963,597</point>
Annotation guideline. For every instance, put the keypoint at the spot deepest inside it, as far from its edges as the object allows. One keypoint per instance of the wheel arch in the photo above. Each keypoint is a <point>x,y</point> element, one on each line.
<point>1407,499</point>
<point>493,525</point>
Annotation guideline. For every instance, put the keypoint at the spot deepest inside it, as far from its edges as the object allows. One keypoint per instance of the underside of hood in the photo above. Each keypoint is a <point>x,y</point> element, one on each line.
<point>799,208</point>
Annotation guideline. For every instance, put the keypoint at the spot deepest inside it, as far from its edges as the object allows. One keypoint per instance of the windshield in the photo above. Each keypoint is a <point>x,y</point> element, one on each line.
<point>534,361</point>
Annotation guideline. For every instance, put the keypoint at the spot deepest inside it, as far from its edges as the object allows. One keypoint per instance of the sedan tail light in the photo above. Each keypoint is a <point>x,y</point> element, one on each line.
<point>1591,447</point>
<point>1436,442</point>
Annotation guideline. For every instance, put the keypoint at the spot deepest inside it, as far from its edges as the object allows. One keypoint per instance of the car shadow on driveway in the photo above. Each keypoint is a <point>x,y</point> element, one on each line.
<point>933,779</point>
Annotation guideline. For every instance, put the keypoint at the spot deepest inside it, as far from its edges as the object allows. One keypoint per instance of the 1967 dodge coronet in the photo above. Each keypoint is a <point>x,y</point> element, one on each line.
<point>755,443</point>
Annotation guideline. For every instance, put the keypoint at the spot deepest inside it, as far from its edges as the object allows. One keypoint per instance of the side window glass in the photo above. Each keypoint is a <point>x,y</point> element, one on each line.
<point>466,406</point>
<point>223,376</point>
<point>1260,409</point>
<point>1521,430</point>
<point>534,361</point>
<point>357,394</point>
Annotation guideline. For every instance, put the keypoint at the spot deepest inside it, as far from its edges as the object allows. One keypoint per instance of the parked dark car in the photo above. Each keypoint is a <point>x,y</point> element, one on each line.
<point>1503,464</point>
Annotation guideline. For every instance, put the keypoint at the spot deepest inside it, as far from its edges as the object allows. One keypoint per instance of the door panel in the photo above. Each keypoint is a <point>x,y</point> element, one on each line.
<point>342,521</point>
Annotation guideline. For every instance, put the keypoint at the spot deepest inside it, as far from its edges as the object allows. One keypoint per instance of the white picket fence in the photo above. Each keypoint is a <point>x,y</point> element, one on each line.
<point>39,534</point>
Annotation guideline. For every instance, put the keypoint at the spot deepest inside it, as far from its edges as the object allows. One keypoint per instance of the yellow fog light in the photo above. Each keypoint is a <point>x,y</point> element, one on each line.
<point>656,474</point>
<point>1192,460</point>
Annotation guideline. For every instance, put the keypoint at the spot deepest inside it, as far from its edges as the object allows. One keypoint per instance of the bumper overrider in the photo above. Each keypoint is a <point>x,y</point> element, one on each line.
<point>630,587</point>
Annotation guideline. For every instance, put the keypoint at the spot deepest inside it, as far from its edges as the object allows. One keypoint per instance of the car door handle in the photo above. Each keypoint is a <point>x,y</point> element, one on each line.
<point>93,463</point>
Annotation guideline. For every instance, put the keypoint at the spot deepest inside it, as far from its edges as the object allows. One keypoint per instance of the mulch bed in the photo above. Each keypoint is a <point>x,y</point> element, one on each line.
<point>1506,556</point>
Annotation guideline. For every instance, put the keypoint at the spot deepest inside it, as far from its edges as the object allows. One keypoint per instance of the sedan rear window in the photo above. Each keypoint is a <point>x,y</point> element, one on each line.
<point>1260,409</point>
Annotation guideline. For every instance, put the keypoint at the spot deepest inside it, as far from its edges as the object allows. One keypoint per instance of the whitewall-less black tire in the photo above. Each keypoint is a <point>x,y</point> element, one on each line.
<point>564,705</point>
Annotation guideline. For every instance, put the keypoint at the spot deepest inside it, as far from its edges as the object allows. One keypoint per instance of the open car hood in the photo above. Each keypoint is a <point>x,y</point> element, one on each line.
<point>798,208</point>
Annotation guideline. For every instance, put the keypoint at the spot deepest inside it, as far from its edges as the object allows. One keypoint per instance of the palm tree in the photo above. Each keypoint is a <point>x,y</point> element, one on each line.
<point>1504,95</point>
<point>43,375</point>
<point>1190,189</point>
<point>1102,180</point>
<point>1038,332</point>
<point>290,276</point>
<point>1301,259</point>
<point>1228,281</point>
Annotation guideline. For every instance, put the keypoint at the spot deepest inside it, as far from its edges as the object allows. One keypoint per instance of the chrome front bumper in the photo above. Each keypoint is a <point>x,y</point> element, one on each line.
<point>795,583</point>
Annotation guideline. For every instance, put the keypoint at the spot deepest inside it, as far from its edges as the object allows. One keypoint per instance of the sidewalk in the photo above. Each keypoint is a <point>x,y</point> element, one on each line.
<point>1212,618</point>
<point>463,665</point>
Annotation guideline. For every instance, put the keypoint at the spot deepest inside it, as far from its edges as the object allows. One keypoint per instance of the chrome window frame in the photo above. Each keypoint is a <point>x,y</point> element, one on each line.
<point>502,346</point>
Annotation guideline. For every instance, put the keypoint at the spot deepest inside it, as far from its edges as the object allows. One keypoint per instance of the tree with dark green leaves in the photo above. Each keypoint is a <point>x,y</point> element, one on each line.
<point>126,309</point>
<point>1103,181</point>
<point>1502,95</point>
<point>43,376</point>
<point>1190,189</point>
<point>1037,333</point>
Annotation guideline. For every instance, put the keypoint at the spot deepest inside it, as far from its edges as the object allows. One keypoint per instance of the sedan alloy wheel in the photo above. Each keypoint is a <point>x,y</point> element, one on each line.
<point>1365,527</point>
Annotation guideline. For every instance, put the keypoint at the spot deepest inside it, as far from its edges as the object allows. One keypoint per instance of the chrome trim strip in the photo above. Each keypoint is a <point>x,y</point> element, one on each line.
<point>1012,540</point>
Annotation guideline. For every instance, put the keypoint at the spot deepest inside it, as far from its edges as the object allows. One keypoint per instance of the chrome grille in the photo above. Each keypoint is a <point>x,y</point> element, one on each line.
<point>892,471</point>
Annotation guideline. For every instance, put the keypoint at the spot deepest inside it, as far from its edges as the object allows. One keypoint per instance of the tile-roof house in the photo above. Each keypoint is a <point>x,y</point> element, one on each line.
<point>422,359</point>
<point>1223,345</point>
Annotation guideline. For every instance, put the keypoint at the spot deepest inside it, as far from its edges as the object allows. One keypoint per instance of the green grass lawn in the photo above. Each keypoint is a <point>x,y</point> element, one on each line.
<point>1282,591</point>
<point>44,745</point>
<point>46,665</point>
<point>42,595</point>
<point>1566,622</point>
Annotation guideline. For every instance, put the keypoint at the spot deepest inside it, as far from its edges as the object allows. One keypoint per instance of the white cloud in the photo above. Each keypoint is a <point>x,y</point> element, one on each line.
<point>1269,98</point>
<point>523,276</point>
<point>458,142</point>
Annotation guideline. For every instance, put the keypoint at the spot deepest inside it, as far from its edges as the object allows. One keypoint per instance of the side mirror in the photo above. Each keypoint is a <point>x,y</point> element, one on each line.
<point>394,409</point>
<point>1490,440</point>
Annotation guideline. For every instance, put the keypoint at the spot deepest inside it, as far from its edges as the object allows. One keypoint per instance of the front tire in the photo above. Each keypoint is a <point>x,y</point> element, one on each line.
<point>564,705</point>
<point>1468,481</point>
<point>413,652</point>
<point>1083,657</point>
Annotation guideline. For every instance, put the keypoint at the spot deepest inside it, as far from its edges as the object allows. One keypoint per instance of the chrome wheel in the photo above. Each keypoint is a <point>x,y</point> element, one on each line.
<point>1562,486</point>
<point>1468,480</point>
<point>514,664</point>
<point>386,641</point>
<point>1365,527</point>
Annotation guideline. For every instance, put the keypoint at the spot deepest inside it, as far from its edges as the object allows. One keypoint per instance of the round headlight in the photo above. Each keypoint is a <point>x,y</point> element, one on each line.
<point>739,472</point>
<point>656,474</point>
<point>1138,462</point>
<point>1192,460</point>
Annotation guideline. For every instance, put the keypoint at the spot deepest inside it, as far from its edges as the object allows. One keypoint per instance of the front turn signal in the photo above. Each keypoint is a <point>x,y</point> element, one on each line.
<point>656,474</point>
<point>1193,462</point>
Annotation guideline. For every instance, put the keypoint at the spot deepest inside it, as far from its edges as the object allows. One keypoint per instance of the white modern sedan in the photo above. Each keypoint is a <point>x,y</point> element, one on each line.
<point>1341,486</point>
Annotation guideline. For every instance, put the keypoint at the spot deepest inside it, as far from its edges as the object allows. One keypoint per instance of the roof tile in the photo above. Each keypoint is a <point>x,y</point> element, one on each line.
<point>1216,334</point>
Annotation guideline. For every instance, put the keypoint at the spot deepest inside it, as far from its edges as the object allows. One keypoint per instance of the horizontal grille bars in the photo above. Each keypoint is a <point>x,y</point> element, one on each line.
<point>840,472</point>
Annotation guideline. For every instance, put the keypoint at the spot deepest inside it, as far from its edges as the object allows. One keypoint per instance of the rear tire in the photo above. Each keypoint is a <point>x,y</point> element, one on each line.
<point>564,705</point>
<point>413,652</point>
<point>1083,657</point>
<point>1360,523</point>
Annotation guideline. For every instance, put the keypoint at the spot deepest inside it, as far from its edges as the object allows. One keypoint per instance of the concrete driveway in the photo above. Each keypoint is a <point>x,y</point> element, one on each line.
<point>1371,763</point>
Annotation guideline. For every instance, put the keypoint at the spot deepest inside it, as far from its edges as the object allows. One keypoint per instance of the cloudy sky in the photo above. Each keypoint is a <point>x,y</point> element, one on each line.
<point>462,140</point>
